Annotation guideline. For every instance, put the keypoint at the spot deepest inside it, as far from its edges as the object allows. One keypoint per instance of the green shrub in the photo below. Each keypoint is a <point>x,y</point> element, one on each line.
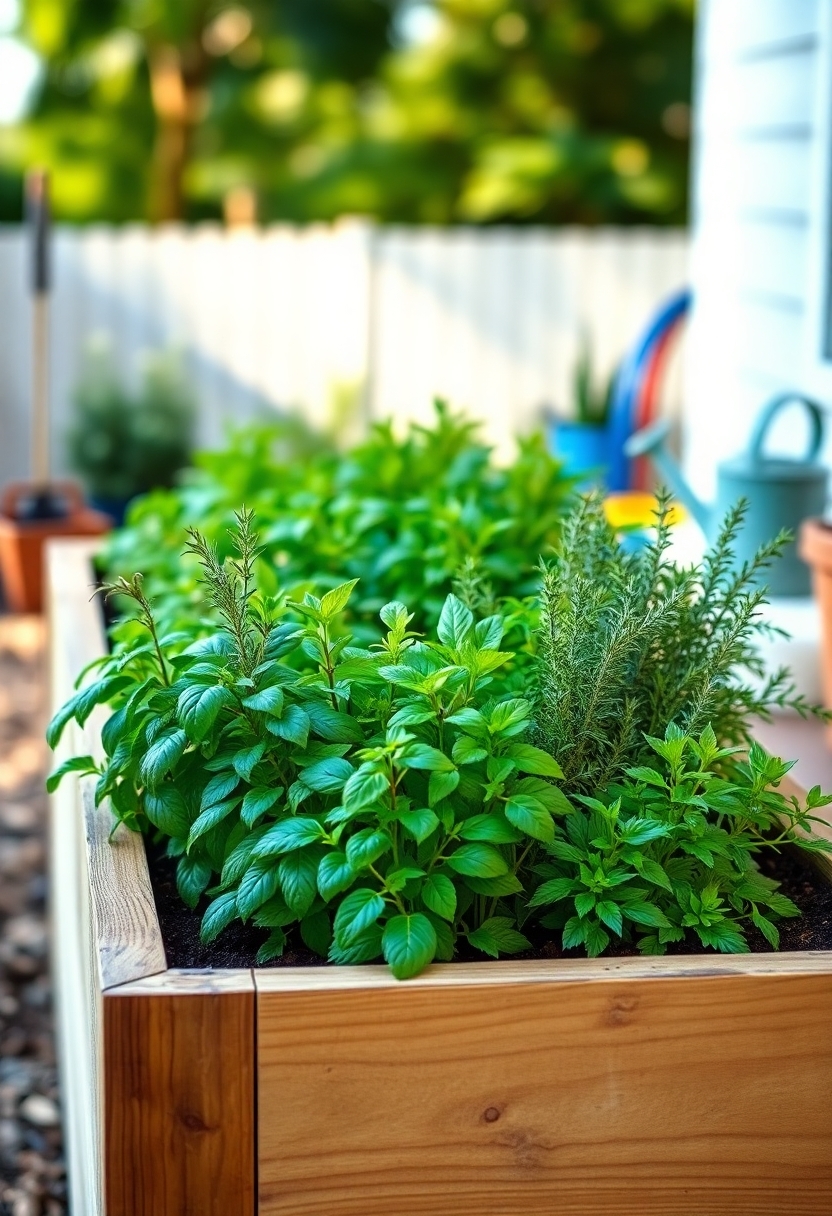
<point>402,515</point>
<point>122,445</point>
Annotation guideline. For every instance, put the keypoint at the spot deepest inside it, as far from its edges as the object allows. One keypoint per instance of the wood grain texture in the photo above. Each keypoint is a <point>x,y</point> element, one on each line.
<point>179,1100</point>
<point>128,937</point>
<point>77,1000</point>
<point>76,637</point>
<point>201,980</point>
<point>545,971</point>
<point>694,1096</point>
<point>126,927</point>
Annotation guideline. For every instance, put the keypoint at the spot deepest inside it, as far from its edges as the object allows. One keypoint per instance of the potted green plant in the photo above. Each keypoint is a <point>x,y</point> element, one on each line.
<point>123,444</point>
<point>582,440</point>
<point>423,796</point>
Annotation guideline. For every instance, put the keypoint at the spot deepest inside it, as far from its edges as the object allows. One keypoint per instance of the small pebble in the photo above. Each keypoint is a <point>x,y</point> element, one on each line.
<point>19,855</point>
<point>24,1204</point>
<point>27,933</point>
<point>14,1042</point>
<point>13,895</point>
<point>8,1006</point>
<point>16,1073</point>
<point>38,888</point>
<point>9,1137</point>
<point>40,1111</point>
<point>18,963</point>
<point>19,817</point>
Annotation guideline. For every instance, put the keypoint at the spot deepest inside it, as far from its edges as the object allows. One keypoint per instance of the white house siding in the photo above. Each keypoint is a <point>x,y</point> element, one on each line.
<point>755,206</point>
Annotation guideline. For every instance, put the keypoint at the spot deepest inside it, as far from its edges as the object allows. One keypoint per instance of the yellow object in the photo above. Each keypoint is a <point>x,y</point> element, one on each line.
<point>637,509</point>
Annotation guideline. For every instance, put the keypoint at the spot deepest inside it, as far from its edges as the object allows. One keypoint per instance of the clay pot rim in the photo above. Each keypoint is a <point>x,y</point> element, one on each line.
<point>815,543</point>
<point>86,522</point>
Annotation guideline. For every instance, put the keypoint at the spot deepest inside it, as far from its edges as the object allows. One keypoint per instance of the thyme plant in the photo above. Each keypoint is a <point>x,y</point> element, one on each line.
<point>629,643</point>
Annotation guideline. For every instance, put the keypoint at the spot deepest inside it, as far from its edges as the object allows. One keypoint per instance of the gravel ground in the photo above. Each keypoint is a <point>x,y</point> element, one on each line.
<point>32,1179</point>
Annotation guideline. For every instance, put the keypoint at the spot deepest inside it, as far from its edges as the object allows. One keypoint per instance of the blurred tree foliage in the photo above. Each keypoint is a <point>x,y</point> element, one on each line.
<point>450,111</point>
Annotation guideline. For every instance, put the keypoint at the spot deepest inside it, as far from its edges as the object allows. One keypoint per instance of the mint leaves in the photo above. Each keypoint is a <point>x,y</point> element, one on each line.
<point>356,796</point>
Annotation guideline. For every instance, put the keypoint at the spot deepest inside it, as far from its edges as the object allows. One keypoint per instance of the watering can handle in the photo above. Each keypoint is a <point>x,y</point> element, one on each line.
<point>814,411</point>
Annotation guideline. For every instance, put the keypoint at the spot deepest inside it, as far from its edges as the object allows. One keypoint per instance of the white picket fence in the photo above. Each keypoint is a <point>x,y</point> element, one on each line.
<point>309,318</point>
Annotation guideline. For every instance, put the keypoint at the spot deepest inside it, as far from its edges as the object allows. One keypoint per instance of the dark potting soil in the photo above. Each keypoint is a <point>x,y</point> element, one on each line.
<point>237,945</point>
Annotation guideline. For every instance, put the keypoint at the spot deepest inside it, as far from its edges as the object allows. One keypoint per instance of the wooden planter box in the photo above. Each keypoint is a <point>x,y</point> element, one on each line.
<point>683,1086</point>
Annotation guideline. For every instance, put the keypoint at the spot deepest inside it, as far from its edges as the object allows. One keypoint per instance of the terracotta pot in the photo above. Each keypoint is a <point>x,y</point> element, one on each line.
<point>815,547</point>
<point>22,541</point>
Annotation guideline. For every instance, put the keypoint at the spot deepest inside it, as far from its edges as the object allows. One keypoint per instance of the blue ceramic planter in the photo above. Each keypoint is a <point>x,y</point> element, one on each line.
<point>583,448</point>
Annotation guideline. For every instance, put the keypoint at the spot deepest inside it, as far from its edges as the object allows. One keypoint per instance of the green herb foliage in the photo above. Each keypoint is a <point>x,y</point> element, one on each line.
<point>398,799</point>
<point>631,642</point>
<point>380,799</point>
<point>668,851</point>
<point>403,515</point>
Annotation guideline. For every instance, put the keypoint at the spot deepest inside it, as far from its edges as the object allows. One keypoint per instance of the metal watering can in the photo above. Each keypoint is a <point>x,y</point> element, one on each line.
<point>780,492</point>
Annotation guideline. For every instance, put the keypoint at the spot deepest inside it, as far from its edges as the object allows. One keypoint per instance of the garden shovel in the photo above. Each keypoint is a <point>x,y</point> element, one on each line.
<point>33,512</point>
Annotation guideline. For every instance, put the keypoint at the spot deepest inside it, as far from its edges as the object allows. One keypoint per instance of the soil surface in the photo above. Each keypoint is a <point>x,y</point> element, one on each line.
<point>237,946</point>
<point>31,1161</point>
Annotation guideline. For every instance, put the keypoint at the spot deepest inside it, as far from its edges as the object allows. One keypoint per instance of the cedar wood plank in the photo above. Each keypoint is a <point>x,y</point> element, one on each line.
<point>703,1095</point>
<point>179,1064</point>
<point>129,941</point>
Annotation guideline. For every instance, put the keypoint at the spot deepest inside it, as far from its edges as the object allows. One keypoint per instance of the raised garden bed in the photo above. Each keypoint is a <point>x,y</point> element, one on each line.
<point>670,1086</point>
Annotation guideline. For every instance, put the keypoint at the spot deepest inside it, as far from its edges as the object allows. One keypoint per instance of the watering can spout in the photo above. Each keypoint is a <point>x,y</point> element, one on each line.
<point>651,442</point>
